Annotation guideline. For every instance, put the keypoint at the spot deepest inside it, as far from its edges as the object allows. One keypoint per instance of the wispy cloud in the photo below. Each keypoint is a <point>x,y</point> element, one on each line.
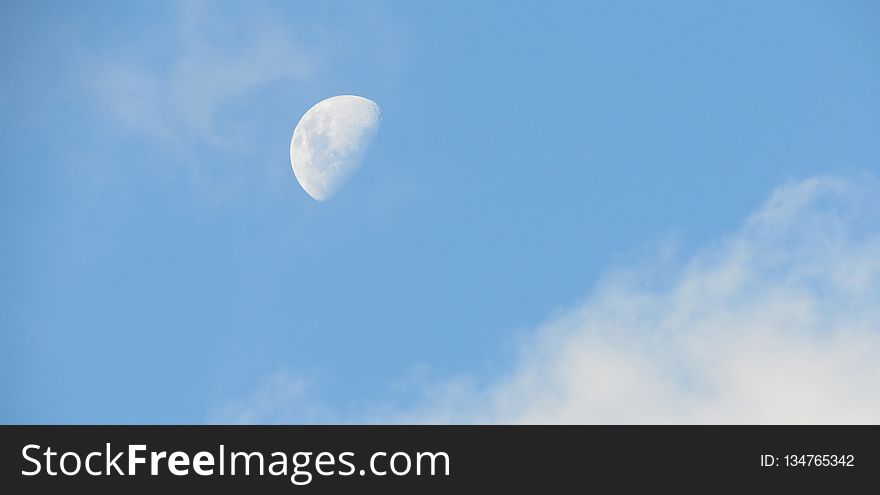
<point>777,322</point>
<point>282,397</point>
<point>174,87</point>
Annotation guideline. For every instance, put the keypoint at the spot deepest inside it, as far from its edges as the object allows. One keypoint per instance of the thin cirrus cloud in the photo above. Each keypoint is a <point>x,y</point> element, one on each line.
<point>208,63</point>
<point>281,397</point>
<point>776,322</point>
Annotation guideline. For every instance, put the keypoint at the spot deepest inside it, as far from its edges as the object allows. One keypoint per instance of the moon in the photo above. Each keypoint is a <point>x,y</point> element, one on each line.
<point>330,141</point>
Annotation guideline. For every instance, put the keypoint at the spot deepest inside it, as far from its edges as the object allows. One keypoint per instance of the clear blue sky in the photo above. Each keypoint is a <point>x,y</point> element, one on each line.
<point>158,258</point>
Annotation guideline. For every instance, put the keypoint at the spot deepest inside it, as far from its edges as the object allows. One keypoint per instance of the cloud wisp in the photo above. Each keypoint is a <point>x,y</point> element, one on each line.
<point>281,397</point>
<point>207,64</point>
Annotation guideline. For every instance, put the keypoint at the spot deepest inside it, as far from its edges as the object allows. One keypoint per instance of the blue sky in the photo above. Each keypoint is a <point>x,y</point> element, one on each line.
<point>160,261</point>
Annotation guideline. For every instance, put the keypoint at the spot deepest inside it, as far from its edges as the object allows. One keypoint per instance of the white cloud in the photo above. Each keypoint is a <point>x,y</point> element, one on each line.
<point>777,322</point>
<point>173,84</point>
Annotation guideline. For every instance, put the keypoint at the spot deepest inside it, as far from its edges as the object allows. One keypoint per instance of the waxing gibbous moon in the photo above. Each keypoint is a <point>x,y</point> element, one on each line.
<point>330,141</point>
